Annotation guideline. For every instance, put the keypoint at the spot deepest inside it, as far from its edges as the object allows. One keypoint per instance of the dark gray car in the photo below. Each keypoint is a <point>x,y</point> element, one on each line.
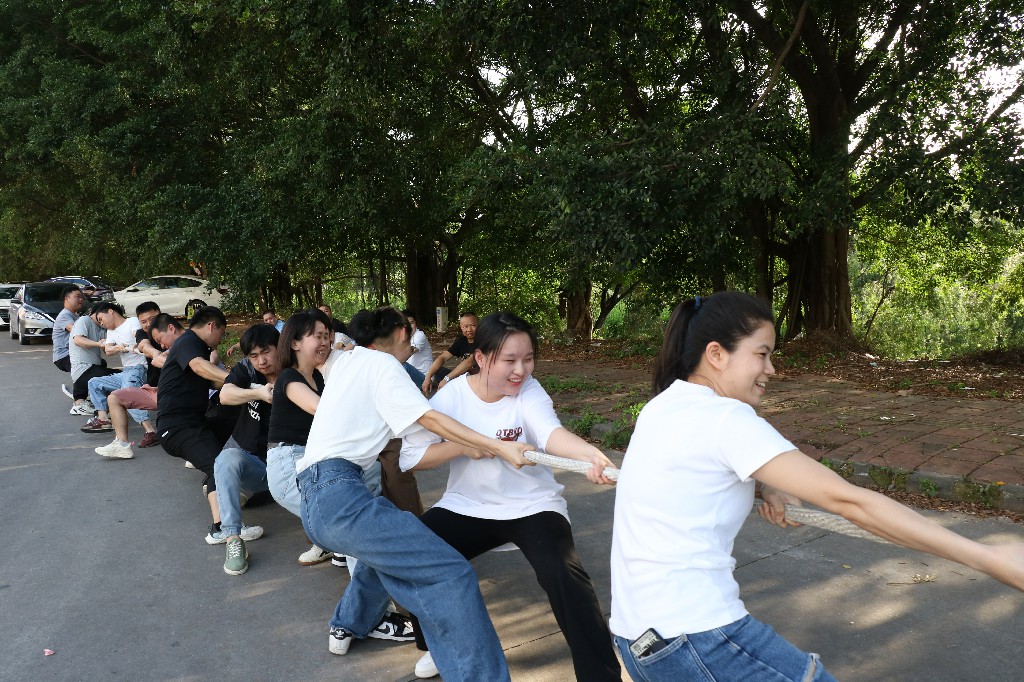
<point>33,309</point>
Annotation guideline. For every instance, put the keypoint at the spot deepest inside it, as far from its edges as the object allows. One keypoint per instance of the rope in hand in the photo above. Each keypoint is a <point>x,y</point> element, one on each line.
<point>811,517</point>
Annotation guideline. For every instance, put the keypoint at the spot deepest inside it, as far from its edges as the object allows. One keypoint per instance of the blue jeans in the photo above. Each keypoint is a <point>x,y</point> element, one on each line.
<point>399,555</point>
<point>129,377</point>
<point>281,476</point>
<point>746,649</point>
<point>236,470</point>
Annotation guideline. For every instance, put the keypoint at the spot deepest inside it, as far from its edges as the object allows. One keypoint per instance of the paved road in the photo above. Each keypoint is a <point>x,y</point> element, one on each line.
<point>104,563</point>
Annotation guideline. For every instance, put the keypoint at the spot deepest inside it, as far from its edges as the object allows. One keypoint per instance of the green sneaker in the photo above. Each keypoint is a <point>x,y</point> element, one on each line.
<point>237,561</point>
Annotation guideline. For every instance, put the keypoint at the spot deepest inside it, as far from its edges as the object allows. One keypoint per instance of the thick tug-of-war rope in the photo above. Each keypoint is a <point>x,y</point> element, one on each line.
<point>812,517</point>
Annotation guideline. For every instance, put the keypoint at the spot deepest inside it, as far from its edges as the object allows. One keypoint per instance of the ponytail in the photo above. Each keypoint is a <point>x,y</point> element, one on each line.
<point>726,317</point>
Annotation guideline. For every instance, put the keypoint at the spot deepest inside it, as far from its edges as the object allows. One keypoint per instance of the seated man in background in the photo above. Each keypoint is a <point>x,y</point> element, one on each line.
<point>463,347</point>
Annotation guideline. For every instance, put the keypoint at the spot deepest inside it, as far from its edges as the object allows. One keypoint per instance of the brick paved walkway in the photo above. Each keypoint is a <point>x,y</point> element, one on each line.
<point>979,438</point>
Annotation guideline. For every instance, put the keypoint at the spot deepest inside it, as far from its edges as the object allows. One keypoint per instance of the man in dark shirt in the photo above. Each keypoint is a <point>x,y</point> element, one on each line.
<point>185,383</point>
<point>462,348</point>
<point>242,464</point>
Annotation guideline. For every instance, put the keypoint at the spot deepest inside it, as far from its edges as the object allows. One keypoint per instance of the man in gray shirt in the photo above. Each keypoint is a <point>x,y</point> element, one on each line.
<point>73,300</point>
<point>85,351</point>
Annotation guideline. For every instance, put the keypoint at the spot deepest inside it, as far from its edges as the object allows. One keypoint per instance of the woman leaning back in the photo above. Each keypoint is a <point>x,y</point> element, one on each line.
<point>687,484</point>
<point>368,400</point>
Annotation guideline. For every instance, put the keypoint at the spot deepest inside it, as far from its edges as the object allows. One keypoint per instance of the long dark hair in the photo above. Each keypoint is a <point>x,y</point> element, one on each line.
<point>495,328</point>
<point>369,325</point>
<point>726,317</point>
<point>299,326</point>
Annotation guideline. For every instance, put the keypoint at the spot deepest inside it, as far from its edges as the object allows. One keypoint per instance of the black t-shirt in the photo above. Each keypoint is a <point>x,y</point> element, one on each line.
<point>289,423</point>
<point>183,393</point>
<point>152,373</point>
<point>254,420</point>
<point>462,347</point>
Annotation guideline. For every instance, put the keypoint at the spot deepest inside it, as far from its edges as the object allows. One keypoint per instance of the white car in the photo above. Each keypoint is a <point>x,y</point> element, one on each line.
<point>180,295</point>
<point>7,292</point>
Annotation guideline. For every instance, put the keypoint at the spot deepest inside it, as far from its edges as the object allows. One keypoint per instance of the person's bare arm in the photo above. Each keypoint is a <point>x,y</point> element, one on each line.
<point>146,347</point>
<point>796,474</point>
<point>435,367</point>
<point>565,443</point>
<point>85,342</point>
<point>231,394</point>
<point>159,360</point>
<point>439,453</point>
<point>449,429</point>
<point>302,396</point>
<point>459,370</point>
<point>208,370</point>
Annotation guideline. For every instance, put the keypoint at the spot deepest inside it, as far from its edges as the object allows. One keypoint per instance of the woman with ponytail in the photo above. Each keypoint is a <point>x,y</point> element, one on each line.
<point>687,485</point>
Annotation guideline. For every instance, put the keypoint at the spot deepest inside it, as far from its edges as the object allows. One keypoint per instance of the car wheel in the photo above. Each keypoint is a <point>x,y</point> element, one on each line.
<point>192,307</point>
<point>14,334</point>
<point>23,340</point>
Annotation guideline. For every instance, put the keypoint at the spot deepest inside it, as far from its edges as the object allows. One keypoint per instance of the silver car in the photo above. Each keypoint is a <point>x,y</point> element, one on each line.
<point>7,292</point>
<point>33,309</point>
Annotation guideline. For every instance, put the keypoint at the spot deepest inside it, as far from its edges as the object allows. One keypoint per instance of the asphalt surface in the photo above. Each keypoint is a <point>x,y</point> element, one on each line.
<point>103,562</point>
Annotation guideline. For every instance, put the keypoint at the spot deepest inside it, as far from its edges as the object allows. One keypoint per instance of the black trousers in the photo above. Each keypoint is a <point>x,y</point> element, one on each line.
<point>199,445</point>
<point>64,364</point>
<point>546,541</point>
<point>81,388</point>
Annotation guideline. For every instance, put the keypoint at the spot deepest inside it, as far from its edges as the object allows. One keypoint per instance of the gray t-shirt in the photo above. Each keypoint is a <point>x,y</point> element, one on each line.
<point>61,337</point>
<point>84,358</point>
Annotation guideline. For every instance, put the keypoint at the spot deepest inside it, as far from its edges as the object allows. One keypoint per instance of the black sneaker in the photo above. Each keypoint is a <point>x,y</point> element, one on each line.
<point>339,560</point>
<point>393,626</point>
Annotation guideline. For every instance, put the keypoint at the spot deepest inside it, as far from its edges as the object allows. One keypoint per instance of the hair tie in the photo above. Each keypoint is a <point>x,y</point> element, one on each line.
<point>696,303</point>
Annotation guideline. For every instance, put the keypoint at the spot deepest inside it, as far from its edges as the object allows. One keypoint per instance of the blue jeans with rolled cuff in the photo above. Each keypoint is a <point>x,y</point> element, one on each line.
<point>236,470</point>
<point>129,377</point>
<point>399,556</point>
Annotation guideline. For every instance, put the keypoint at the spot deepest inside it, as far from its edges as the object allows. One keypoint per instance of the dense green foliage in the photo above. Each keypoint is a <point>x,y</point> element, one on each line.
<point>565,160</point>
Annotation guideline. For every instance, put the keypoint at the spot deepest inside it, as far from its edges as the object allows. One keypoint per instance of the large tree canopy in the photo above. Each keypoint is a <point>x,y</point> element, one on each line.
<point>596,149</point>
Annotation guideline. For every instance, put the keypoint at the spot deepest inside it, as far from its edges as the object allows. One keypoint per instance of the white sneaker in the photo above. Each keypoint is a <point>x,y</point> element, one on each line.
<point>116,450</point>
<point>339,641</point>
<point>425,667</point>
<point>314,555</point>
<point>249,533</point>
<point>82,409</point>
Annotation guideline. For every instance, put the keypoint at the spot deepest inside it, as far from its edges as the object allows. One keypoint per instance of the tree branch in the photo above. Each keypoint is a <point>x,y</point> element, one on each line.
<point>782,55</point>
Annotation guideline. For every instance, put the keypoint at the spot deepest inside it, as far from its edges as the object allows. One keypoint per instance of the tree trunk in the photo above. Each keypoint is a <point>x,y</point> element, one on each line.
<point>820,283</point>
<point>579,318</point>
<point>422,286</point>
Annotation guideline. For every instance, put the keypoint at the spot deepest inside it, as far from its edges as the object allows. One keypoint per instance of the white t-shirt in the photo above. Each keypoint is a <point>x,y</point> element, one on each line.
<point>367,401</point>
<point>125,334</point>
<point>491,488</point>
<point>682,496</point>
<point>424,355</point>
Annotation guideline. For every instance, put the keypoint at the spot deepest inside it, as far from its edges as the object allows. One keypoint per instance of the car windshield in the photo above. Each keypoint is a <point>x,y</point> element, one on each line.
<point>44,293</point>
<point>8,292</point>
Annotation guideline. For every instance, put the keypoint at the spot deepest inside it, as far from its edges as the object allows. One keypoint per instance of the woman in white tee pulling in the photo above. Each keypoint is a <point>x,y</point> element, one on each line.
<point>489,502</point>
<point>687,485</point>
